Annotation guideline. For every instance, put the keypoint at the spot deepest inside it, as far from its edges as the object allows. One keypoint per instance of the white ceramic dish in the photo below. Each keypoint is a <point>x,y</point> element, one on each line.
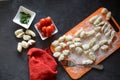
<point>42,37</point>
<point>27,11</point>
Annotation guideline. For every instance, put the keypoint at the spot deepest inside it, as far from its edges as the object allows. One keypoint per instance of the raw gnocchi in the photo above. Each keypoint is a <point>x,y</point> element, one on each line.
<point>65,52</point>
<point>104,47</point>
<point>108,15</point>
<point>20,35</point>
<point>58,48</point>
<point>24,44</point>
<point>68,38</point>
<point>62,44</point>
<point>90,33</point>
<point>30,32</point>
<point>91,20</point>
<point>18,31</point>
<point>87,62</point>
<point>82,34</point>
<point>102,42</point>
<point>92,56</point>
<point>26,37</point>
<point>31,42</point>
<point>98,20</point>
<point>95,47</point>
<point>85,46</point>
<point>62,38</point>
<point>19,47</point>
<point>78,50</point>
<point>104,10</point>
<point>61,57</point>
<point>56,54</point>
<point>92,42</point>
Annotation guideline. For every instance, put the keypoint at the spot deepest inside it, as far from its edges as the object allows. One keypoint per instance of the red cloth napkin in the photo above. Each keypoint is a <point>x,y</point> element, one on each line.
<point>42,65</point>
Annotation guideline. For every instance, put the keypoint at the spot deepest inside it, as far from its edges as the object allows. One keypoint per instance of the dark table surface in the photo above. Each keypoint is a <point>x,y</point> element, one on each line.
<point>66,14</point>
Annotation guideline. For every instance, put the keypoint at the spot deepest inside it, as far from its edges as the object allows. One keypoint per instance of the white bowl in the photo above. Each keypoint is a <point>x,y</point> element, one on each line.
<point>42,37</point>
<point>27,11</point>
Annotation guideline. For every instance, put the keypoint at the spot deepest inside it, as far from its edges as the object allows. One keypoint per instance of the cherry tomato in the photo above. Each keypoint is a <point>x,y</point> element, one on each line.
<point>49,29</point>
<point>43,34</point>
<point>39,26</point>
<point>48,20</point>
<point>48,34</point>
<point>44,29</point>
<point>53,27</point>
<point>42,22</point>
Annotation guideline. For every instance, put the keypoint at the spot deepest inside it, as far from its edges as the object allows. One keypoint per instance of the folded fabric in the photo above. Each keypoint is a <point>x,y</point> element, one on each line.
<point>42,65</point>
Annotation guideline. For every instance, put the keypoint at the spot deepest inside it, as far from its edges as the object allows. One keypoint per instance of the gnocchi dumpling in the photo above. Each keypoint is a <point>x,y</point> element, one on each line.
<point>18,31</point>
<point>97,29</point>
<point>62,44</point>
<point>56,54</point>
<point>77,34</point>
<point>104,10</point>
<point>87,62</point>
<point>76,39</point>
<point>58,48</point>
<point>77,44</point>
<point>90,33</point>
<point>30,32</point>
<point>82,34</point>
<point>20,35</point>
<point>72,46</point>
<point>78,50</point>
<point>98,20</point>
<point>85,46</point>
<point>107,28</point>
<point>55,43</point>
<point>92,56</point>
<point>61,57</point>
<point>98,36</point>
<point>19,47</point>
<point>26,37</point>
<point>65,52</point>
<point>31,42</point>
<point>101,23</point>
<point>112,34</point>
<point>68,38</point>
<point>95,47</point>
<point>62,38</point>
<point>24,44</point>
<point>108,15</point>
<point>104,47</point>
<point>92,42</point>
<point>104,27</point>
<point>102,42</point>
<point>108,34</point>
<point>69,42</point>
<point>91,20</point>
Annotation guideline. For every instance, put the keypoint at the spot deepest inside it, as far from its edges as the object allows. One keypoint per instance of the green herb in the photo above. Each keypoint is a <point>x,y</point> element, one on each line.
<point>24,18</point>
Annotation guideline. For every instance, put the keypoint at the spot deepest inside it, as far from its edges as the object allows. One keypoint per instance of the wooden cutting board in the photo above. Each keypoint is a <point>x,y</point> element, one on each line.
<point>77,72</point>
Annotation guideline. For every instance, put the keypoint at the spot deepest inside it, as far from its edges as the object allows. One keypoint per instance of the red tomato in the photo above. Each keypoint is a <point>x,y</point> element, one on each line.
<point>43,34</point>
<point>48,34</point>
<point>42,22</point>
<point>49,29</point>
<point>48,20</point>
<point>44,29</point>
<point>39,26</point>
<point>53,27</point>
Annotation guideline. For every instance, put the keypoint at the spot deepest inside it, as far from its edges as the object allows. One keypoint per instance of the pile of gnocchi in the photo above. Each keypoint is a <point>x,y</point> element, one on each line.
<point>97,37</point>
<point>27,38</point>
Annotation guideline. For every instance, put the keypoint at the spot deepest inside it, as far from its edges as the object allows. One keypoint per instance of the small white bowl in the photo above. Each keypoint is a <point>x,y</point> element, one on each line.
<point>27,11</point>
<point>42,37</point>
